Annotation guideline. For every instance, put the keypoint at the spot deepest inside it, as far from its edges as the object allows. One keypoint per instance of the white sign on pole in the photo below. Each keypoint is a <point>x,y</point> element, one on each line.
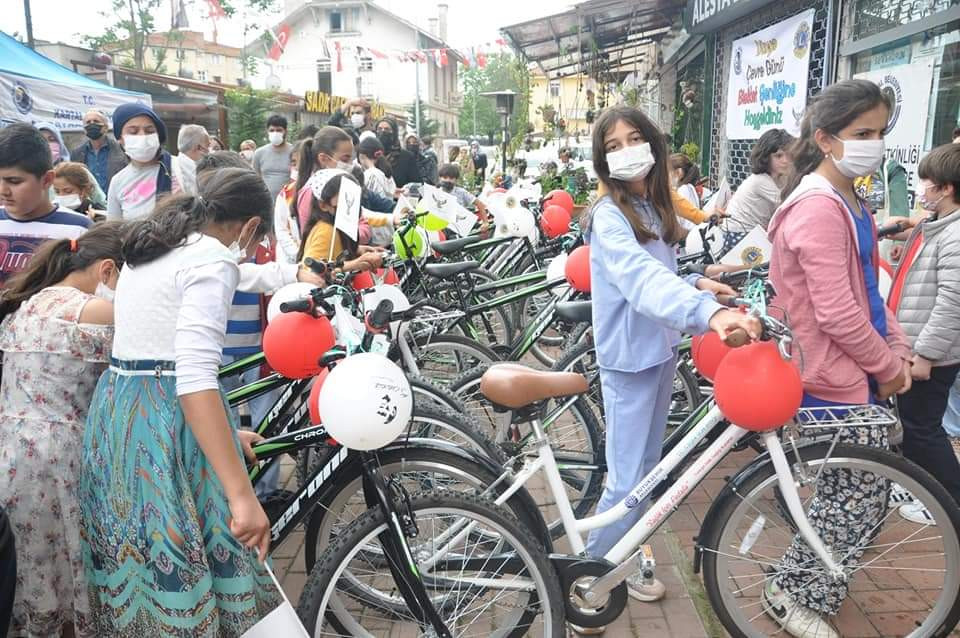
<point>767,86</point>
<point>348,209</point>
<point>908,87</point>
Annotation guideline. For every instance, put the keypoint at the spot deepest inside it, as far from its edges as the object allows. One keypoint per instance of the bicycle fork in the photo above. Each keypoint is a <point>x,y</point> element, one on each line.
<point>376,492</point>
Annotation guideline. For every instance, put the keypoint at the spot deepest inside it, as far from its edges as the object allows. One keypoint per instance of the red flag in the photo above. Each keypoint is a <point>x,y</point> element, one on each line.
<point>216,10</point>
<point>421,56</point>
<point>377,54</point>
<point>336,45</point>
<point>443,57</point>
<point>481,59</point>
<point>465,58</point>
<point>279,42</point>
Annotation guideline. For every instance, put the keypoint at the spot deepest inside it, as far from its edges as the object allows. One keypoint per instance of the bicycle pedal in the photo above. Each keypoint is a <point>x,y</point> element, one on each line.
<point>646,563</point>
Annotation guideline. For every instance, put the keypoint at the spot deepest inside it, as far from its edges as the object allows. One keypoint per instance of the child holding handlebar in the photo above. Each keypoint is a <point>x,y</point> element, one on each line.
<point>824,267</point>
<point>640,307</point>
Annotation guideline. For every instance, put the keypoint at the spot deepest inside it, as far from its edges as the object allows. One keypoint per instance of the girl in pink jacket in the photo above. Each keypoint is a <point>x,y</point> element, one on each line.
<point>824,268</point>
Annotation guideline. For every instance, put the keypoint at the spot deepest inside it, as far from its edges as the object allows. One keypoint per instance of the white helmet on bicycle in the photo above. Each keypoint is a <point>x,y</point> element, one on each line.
<point>366,401</point>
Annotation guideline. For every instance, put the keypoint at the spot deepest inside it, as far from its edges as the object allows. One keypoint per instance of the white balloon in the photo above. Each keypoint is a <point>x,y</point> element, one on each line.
<point>375,295</point>
<point>556,270</point>
<point>290,292</point>
<point>366,401</point>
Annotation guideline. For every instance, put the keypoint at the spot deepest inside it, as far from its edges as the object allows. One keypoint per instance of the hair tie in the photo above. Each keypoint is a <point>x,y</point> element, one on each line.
<point>377,154</point>
<point>73,245</point>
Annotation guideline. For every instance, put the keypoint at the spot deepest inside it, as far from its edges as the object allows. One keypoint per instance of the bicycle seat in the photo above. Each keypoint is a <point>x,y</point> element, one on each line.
<point>575,311</point>
<point>451,246</point>
<point>514,386</point>
<point>443,271</point>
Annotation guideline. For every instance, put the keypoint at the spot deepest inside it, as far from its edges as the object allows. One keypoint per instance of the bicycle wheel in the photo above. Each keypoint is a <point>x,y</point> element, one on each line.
<point>418,469</point>
<point>900,578</point>
<point>491,579</point>
<point>581,357</point>
<point>491,328</point>
<point>546,348</point>
<point>686,394</point>
<point>575,437</point>
<point>441,358</point>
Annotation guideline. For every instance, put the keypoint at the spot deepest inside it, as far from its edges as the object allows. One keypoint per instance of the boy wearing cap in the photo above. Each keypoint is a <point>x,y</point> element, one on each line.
<point>134,190</point>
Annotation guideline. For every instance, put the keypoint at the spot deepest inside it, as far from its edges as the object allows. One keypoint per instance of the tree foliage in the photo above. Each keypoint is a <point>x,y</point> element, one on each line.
<point>428,126</point>
<point>502,72</point>
<point>247,113</point>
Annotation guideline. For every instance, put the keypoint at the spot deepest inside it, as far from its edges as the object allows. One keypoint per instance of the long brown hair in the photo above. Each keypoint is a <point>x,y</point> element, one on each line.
<point>832,110</point>
<point>658,180</point>
<point>55,260</point>
<point>78,175</point>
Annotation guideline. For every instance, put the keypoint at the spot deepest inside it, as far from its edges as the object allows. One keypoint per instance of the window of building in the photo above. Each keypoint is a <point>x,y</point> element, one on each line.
<point>336,22</point>
<point>323,66</point>
<point>202,76</point>
<point>366,64</point>
<point>215,58</point>
<point>216,78</point>
<point>554,88</point>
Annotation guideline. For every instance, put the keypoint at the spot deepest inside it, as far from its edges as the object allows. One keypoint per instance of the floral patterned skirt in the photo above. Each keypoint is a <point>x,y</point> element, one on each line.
<point>157,550</point>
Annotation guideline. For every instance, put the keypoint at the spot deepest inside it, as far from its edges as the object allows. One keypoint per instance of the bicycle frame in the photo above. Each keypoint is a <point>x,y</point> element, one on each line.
<point>624,553</point>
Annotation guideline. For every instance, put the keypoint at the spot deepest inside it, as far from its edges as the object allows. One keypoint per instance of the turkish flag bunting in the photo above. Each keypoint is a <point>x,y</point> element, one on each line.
<point>216,10</point>
<point>378,54</point>
<point>481,59</point>
<point>336,45</point>
<point>443,57</point>
<point>279,42</point>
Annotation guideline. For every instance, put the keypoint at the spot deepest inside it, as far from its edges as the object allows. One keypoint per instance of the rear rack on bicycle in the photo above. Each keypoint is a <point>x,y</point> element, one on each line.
<point>844,416</point>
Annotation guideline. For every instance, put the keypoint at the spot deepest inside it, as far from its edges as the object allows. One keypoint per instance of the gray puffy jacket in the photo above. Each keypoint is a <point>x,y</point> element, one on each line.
<point>929,308</point>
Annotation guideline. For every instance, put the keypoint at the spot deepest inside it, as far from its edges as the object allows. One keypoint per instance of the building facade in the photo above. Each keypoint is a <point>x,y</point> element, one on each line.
<point>329,50</point>
<point>187,54</point>
<point>566,98</point>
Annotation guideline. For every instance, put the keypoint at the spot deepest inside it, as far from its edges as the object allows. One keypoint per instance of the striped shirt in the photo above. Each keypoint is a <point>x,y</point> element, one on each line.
<point>20,239</point>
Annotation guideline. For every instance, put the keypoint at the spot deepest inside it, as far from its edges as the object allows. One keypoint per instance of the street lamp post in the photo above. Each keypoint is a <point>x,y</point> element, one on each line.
<point>504,109</point>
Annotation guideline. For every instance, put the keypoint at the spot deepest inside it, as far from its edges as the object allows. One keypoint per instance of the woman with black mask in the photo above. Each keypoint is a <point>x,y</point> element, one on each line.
<point>426,162</point>
<point>403,162</point>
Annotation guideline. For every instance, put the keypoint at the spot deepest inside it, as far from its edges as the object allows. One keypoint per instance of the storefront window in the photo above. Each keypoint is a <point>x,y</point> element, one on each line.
<point>874,16</point>
<point>688,115</point>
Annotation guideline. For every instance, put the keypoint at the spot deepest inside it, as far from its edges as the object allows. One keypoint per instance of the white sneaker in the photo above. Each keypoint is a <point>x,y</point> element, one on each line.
<point>796,620</point>
<point>915,512</point>
<point>586,631</point>
<point>643,590</point>
<point>897,496</point>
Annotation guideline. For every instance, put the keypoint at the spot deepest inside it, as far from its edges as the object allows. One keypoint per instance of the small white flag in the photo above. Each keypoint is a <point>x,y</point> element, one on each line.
<point>348,209</point>
<point>282,621</point>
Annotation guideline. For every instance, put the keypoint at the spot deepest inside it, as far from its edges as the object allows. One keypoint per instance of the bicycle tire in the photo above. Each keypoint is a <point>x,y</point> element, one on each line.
<point>462,354</point>
<point>322,581</point>
<point>720,532</point>
<point>473,476</point>
<point>579,444</point>
<point>496,326</point>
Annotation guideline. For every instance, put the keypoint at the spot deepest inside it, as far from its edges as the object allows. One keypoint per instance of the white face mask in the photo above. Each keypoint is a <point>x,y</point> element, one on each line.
<point>631,162</point>
<point>925,202</point>
<point>345,166</point>
<point>247,155</point>
<point>275,137</point>
<point>68,201</point>
<point>141,148</point>
<point>294,174</point>
<point>239,252</point>
<point>105,292</point>
<point>357,120</point>
<point>860,157</point>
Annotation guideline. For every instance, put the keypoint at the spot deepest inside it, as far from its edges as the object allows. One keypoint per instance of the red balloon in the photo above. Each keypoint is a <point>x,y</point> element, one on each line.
<point>708,350</point>
<point>559,198</point>
<point>756,388</point>
<point>363,280</point>
<point>555,221</point>
<point>577,269</point>
<point>314,402</point>
<point>294,342</point>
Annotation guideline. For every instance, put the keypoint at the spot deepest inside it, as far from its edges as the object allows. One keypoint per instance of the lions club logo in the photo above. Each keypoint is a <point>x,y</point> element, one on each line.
<point>21,98</point>
<point>738,61</point>
<point>801,40</point>
<point>751,256</point>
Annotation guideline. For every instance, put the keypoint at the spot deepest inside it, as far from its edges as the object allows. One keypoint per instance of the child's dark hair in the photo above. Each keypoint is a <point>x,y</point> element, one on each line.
<point>325,141</point>
<point>229,194</point>
<point>942,167</point>
<point>221,159</point>
<point>307,132</point>
<point>771,142</point>
<point>57,258</point>
<point>330,190</point>
<point>449,170</point>
<point>658,181</point>
<point>277,120</point>
<point>691,172</point>
<point>372,148</point>
<point>23,147</point>
<point>832,110</point>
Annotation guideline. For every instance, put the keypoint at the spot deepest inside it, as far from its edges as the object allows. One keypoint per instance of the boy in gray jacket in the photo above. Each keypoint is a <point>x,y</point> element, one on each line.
<point>926,297</point>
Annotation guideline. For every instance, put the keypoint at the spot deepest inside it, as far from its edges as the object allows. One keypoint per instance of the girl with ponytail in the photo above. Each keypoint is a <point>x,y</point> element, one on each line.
<point>162,473</point>
<point>55,337</point>
<point>377,174</point>
<point>824,267</point>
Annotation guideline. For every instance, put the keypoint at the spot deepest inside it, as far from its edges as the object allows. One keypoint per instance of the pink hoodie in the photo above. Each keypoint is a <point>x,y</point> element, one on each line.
<point>816,270</point>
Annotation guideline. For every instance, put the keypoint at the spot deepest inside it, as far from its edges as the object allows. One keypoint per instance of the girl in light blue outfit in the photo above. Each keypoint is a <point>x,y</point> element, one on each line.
<point>169,518</point>
<point>640,308</point>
